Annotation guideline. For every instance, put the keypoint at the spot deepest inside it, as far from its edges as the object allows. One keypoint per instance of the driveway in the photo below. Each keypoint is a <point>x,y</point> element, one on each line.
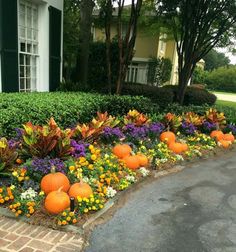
<point>226,97</point>
<point>190,211</point>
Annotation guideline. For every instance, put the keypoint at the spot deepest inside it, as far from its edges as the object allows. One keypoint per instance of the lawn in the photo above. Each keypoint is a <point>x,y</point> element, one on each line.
<point>226,104</point>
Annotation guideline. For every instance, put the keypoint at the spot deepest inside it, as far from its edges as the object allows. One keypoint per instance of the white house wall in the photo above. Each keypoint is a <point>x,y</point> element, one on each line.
<point>43,72</point>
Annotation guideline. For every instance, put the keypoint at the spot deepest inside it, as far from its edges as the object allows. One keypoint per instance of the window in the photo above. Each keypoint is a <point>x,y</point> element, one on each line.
<point>28,46</point>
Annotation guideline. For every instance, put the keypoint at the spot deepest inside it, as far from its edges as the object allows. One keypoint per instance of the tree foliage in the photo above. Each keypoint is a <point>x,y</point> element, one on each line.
<point>197,26</point>
<point>214,60</point>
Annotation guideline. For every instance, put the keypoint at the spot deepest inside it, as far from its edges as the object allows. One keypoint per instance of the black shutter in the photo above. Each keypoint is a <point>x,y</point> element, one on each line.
<point>54,48</point>
<point>9,45</point>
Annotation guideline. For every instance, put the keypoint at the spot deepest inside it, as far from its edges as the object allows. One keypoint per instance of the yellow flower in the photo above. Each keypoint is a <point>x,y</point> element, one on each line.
<point>101,206</point>
<point>19,212</point>
<point>68,218</point>
<point>12,187</point>
<point>41,193</point>
<point>94,208</point>
<point>28,215</point>
<point>90,166</point>
<point>13,210</point>
<point>97,201</point>
<point>64,214</point>
<point>15,174</point>
<point>64,222</point>
<point>79,199</point>
<point>20,179</point>
<point>71,214</point>
<point>72,168</point>
<point>93,157</point>
<point>91,147</point>
<point>91,199</point>
<point>6,198</point>
<point>59,223</point>
<point>86,210</point>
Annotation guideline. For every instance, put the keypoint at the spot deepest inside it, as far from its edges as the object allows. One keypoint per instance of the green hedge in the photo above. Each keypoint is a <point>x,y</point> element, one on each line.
<point>167,94</point>
<point>194,96</point>
<point>66,108</point>
<point>160,96</point>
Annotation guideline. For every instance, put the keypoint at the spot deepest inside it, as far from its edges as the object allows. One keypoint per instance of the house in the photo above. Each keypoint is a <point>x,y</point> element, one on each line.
<point>147,46</point>
<point>30,45</point>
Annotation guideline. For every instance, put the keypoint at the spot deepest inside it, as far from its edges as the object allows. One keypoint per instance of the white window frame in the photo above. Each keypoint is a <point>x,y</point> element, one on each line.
<point>31,46</point>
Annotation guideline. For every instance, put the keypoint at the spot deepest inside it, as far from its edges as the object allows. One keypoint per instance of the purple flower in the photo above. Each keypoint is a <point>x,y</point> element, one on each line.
<point>111,134</point>
<point>208,127</point>
<point>43,166</point>
<point>230,128</point>
<point>188,128</point>
<point>78,149</point>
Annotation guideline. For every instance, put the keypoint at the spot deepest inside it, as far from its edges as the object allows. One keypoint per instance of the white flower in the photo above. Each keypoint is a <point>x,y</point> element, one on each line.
<point>85,179</point>
<point>198,153</point>
<point>144,171</point>
<point>130,178</point>
<point>29,194</point>
<point>111,192</point>
<point>179,157</point>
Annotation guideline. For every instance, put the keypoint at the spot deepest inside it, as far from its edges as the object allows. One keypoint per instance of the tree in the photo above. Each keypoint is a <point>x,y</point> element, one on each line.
<point>197,26</point>
<point>71,36</point>
<point>126,43</point>
<point>86,10</point>
<point>214,60</point>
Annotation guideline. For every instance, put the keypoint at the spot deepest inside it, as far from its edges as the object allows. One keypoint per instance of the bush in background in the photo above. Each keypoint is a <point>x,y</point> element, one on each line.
<point>222,79</point>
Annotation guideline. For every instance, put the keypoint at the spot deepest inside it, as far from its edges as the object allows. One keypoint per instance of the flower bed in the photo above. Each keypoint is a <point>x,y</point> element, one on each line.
<point>61,176</point>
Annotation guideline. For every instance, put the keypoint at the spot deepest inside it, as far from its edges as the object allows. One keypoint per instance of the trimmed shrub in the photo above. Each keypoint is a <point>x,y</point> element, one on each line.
<point>160,96</point>
<point>194,96</point>
<point>66,108</point>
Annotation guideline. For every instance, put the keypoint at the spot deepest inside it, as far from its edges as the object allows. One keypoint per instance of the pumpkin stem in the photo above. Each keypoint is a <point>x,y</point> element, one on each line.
<point>168,128</point>
<point>53,169</point>
<point>59,190</point>
<point>72,204</point>
<point>217,126</point>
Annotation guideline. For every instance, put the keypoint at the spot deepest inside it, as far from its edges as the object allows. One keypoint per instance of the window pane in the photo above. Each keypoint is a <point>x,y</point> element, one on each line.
<point>22,83</point>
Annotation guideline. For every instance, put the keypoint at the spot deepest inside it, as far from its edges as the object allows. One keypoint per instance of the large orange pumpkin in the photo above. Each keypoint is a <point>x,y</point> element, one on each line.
<point>229,137</point>
<point>54,181</point>
<point>217,134</point>
<point>122,150</point>
<point>177,148</point>
<point>184,147</point>
<point>143,160</point>
<point>56,202</point>
<point>223,143</point>
<point>132,162</point>
<point>167,137</point>
<point>80,189</point>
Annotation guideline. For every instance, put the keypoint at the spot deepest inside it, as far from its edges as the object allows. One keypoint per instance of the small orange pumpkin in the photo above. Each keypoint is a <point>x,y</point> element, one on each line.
<point>223,143</point>
<point>143,160</point>
<point>167,137</point>
<point>53,181</point>
<point>80,189</point>
<point>184,147</point>
<point>56,202</point>
<point>217,134</point>
<point>229,137</point>
<point>122,150</point>
<point>132,162</point>
<point>177,148</point>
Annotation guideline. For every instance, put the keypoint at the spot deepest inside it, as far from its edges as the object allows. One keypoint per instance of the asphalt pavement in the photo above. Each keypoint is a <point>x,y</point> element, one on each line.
<point>190,211</point>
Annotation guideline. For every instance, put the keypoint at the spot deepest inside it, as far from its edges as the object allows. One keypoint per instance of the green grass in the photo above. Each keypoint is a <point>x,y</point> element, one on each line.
<point>226,104</point>
<point>224,93</point>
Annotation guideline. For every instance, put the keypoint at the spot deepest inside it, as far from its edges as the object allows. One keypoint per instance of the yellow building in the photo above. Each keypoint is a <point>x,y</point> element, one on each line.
<point>147,46</point>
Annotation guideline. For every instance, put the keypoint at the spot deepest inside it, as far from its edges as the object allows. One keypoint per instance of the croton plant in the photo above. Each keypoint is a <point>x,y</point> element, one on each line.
<point>68,173</point>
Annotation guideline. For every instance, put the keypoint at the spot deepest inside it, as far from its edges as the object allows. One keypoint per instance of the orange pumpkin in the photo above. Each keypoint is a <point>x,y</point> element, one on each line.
<point>122,150</point>
<point>184,147</point>
<point>56,202</point>
<point>80,189</point>
<point>143,160</point>
<point>217,134</point>
<point>54,181</point>
<point>223,143</point>
<point>229,137</point>
<point>177,148</point>
<point>167,137</point>
<point>132,162</point>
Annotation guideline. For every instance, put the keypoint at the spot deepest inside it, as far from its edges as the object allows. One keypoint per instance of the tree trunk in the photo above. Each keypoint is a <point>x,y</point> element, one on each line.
<point>108,19</point>
<point>86,9</point>
<point>184,77</point>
